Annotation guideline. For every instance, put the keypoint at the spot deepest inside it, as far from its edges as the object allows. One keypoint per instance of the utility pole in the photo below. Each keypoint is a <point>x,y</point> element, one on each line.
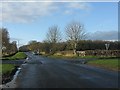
<point>18,42</point>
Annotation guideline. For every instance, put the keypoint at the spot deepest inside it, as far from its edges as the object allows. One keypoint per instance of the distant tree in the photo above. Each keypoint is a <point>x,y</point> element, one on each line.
<point>12,49</point>
<point>61,46</point>
<point>46,47</point>
<point>75,32</point>
<point>24,48</point>
<point>54,35</point>
<point>33,45</point>
<point>32,42</point>
<point>14,46</point>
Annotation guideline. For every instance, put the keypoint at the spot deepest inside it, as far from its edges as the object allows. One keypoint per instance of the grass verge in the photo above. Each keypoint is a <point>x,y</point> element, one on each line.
<point>110,64</point>
<point>19,55</point>
<point>6,68</point>
<point>79,57</point>
<point>7,71</point>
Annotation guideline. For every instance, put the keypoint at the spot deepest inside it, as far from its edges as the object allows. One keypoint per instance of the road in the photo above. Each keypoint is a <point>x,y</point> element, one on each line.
<point>43,72</point>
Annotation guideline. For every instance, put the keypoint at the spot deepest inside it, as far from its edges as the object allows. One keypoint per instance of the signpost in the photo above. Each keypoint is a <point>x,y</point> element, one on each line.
<point>107,45</point>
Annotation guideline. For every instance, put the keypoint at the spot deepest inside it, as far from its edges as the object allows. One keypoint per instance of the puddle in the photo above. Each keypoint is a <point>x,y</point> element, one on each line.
<point>16,74</point>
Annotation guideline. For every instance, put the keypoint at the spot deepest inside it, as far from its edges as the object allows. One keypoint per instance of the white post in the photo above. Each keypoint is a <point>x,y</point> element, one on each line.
<point>107,46</point>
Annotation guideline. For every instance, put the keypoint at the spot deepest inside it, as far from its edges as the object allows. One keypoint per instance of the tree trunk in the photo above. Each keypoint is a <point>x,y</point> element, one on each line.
<point>74,50</point>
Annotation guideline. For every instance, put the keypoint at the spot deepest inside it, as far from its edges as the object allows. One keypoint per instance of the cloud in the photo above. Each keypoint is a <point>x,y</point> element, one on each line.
<point>29,11</point>
<point>104,35</point>
<point>69,0</point>
<point>74,7</point>
<point>79,5</point>
<point>25,11</point>
<point>68,12</point>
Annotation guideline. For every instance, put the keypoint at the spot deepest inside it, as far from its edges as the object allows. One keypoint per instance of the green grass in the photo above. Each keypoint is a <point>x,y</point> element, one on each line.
<point>111,64</point>
<point>88,57</point>
<point>6,68</point>
<point>74,57</point>
<point>79,57</point>
<point>19,55</point>
<point>61,57</point>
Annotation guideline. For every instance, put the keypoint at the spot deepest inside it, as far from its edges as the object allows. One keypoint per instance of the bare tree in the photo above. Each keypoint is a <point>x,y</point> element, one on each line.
<point>75,32</point>
<point>54,35</point>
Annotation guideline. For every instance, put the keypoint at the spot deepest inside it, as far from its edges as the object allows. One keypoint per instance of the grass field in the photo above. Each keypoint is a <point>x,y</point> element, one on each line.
<point>19,55</point>
<point>6,68</point>
<point>111,64</point>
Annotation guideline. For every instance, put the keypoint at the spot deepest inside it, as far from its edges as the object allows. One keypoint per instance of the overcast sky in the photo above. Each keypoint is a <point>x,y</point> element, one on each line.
<point>30,20</point>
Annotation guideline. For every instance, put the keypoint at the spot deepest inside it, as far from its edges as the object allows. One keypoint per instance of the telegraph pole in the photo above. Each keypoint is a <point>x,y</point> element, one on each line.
<point>18,42</point>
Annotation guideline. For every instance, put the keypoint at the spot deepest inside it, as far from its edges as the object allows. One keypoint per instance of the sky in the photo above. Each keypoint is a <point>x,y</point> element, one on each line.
<point>27,21</point>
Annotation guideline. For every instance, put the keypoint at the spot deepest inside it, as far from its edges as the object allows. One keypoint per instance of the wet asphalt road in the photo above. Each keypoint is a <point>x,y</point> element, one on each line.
<point>43,72</point>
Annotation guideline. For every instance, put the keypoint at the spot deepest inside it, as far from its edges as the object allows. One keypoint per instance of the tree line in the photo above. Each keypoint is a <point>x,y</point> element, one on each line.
<point>65,46</point>
<point>75,41</point>
<point>74,32</point>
